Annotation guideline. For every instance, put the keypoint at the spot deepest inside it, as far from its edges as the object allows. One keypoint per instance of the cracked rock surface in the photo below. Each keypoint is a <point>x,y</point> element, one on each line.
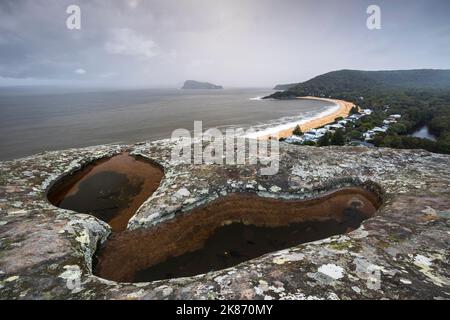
<point>400,253</point>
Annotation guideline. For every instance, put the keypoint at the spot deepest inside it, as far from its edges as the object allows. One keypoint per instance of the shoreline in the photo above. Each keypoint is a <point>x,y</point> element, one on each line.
<point>341,109</point>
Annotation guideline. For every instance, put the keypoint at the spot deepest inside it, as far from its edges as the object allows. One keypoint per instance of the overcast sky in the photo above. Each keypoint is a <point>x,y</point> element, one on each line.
<point>251,43</point>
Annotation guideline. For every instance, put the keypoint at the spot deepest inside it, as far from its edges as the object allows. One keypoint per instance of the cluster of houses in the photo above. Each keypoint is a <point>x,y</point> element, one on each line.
<point>370,134</point>
<point>315,134</point>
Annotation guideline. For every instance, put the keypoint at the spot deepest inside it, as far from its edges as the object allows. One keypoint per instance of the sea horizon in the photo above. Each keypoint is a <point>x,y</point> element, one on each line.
<point>48,119</point>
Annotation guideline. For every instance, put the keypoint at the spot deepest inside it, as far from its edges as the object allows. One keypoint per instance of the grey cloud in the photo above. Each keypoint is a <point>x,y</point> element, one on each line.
<point>235,43</point>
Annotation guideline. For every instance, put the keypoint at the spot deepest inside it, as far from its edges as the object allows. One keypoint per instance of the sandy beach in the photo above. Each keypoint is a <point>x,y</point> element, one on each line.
<point>342,110</point>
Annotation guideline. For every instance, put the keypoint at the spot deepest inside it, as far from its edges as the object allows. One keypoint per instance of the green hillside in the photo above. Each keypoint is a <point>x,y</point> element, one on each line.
<point>421,97</point>
<point>351,82</point>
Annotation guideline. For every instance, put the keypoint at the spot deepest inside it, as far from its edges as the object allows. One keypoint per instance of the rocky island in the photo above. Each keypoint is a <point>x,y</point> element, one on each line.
<point>192,85</point>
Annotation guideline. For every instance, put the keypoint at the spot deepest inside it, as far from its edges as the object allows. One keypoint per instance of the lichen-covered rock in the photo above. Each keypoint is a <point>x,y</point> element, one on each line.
<point>401,253</point>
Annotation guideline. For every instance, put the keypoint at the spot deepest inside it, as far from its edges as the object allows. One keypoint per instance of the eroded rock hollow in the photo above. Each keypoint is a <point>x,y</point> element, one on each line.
<point>228,231</point>
<point>111,189</point>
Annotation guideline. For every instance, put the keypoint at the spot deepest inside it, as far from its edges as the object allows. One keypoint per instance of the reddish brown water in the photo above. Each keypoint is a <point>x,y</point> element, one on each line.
<point>110,189</point>
<point>229,231</point>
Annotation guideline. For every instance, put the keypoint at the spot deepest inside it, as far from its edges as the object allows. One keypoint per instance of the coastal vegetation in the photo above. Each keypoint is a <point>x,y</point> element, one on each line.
<point>297,131</point>
<point>421,97</point>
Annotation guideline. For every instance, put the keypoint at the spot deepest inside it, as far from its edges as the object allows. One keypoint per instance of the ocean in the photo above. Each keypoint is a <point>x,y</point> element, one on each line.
<point>33,120</point>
